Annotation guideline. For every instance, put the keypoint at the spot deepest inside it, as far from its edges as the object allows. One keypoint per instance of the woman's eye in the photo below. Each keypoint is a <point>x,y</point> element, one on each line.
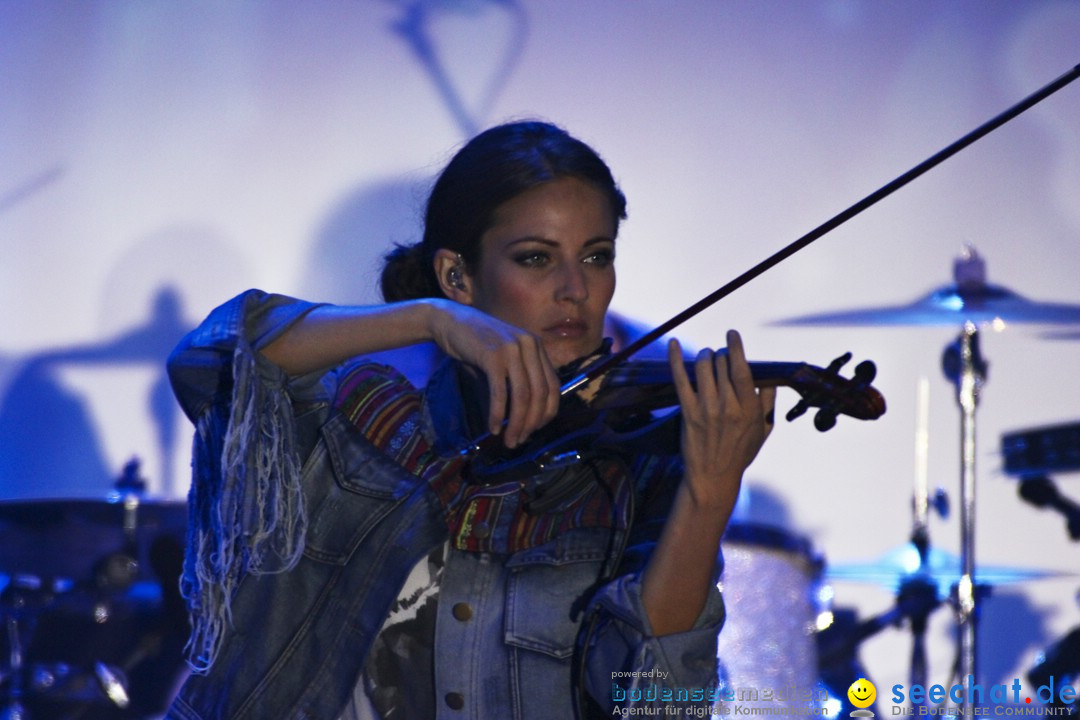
<point>603,258</point>
<point>532,259</point>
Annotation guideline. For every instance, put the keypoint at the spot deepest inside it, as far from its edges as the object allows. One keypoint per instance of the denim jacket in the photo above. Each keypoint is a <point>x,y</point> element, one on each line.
<point>310,581</point>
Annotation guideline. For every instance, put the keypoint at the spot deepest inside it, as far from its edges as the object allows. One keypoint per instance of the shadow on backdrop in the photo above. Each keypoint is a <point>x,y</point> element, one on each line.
<point>49,443</point>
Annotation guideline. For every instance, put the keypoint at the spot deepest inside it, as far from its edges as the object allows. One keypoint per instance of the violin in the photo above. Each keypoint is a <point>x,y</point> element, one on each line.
<point>625,408</point>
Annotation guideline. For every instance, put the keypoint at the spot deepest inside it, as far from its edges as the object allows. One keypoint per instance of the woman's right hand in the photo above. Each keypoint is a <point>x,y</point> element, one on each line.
<point>513,361</point>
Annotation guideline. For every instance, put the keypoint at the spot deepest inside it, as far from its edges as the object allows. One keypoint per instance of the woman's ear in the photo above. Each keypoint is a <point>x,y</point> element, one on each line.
<point>453,278</point>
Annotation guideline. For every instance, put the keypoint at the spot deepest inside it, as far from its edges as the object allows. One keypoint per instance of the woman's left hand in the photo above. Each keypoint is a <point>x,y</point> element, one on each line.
<point>725,421</point>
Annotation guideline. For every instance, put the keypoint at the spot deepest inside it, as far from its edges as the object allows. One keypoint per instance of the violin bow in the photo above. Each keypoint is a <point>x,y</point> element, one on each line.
<point>606,363</point>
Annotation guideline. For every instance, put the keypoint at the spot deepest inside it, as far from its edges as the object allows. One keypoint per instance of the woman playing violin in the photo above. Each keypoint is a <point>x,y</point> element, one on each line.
<point>344,563</point>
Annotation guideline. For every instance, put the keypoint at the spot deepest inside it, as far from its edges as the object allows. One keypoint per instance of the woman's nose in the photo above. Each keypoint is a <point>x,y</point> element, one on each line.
<point>573,284</point>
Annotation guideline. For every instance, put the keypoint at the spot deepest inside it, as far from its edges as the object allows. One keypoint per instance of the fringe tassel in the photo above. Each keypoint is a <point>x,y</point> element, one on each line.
<point>245,507</point>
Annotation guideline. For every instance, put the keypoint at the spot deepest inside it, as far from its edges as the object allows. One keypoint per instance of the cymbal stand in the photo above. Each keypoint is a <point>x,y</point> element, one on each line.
<point>917,597</point>
<point>838,644</point>
<point>20,603</point>
<point>965,367</point>
<point>14,710</point>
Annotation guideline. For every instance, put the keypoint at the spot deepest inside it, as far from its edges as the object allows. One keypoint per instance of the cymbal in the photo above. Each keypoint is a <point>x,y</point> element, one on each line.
<point>952,305</point>
<point>942,568</point>
<point>968,299</point>
<point>72,538</point>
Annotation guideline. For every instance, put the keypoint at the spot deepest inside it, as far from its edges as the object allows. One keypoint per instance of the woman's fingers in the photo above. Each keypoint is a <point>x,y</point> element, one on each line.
<point>738,369</point>
<point>681,378</point>
<point>710,371</point>
<point>523,386</point>
<point>498,393</point>
<point>520,397</point>
<point>726,417</point>
<point>544,377</point>
<point>534,390</point>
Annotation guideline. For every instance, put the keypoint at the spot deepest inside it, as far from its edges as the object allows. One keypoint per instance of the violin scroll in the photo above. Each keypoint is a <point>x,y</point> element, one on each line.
<point>833,395</point>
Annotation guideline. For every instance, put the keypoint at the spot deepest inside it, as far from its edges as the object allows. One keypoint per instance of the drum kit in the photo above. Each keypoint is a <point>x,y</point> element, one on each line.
<point>757,644</point>
<point>94,625</point>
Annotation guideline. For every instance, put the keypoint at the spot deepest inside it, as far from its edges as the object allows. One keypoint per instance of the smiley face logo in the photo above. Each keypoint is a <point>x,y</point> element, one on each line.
<point>862,693</point>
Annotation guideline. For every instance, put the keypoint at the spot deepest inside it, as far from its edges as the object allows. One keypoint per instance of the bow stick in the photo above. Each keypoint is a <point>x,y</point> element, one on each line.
<point>606,363</point>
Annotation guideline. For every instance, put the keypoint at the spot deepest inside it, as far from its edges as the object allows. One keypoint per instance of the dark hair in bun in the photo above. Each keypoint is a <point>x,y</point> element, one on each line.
<point>497,165</point>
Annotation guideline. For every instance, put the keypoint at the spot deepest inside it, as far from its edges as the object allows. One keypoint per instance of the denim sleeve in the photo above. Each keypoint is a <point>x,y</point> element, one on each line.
<point>628,666</point>
<point>201,367</point>
<point>245,506</point>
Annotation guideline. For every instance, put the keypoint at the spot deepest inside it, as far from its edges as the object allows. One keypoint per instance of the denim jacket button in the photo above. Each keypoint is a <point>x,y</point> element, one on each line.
<point>462,611</point>
<point>455,701</point>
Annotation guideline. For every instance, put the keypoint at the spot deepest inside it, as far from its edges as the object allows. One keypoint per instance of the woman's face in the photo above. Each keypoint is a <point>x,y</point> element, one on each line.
<point>547,266</point>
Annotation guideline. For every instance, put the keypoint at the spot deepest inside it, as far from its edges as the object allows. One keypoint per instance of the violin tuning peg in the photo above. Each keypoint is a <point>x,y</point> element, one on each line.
<point>865,372</point>
<point>838,363</point>
<point>796,411</point>
<point>824,420</point>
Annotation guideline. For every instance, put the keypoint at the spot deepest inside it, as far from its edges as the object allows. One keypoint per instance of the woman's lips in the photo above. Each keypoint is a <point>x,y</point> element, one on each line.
<point>568,328</point>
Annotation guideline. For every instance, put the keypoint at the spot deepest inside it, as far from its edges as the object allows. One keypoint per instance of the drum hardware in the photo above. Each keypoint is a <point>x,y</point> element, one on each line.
<point>969,302</point>
<point>131,481</point>
<point>771,593</point>
<point>838,643</point>
<point>1062,659</point>
<point>1037,451</point>
<point>1040,491</point>
<point>969,376</point>
<point>77,539</point>
<point>942,568</point>
<point>20,601</point>
<point>916,592</point>
<point>118,570</point>
<point>87,652</point>
<point>94,621</point>
<point>917,598</point>
<point>838,651</point>
<point>1060,663</point>
<point>1034,453</point>
<point>112,684</point>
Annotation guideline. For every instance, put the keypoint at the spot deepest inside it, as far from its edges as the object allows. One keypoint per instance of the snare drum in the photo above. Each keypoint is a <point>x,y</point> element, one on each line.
<point>767,647</point>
